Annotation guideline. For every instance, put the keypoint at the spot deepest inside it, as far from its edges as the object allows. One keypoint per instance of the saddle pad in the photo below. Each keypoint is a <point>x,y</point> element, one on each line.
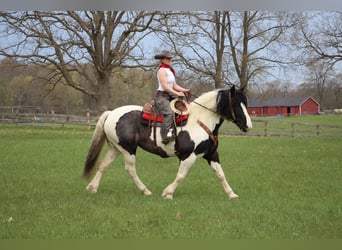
<point>150,117</point>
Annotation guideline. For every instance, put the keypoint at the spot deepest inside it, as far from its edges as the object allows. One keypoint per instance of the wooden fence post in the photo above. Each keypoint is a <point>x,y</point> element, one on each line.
<point>292,129</point>
<point>88,119</point>
<point>53,118</point>
<point>317,129</point>
<point>265,130</point>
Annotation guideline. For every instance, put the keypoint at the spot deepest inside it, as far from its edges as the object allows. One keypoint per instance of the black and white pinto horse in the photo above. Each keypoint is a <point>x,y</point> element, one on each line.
<point>124,132</point>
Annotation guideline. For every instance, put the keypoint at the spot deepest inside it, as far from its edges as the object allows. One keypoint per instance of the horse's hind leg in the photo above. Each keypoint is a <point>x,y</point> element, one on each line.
<point>130,168</point>
<point>107,160</point>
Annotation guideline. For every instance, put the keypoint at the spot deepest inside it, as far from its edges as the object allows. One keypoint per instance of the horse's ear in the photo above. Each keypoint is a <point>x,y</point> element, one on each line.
<point>232,90</point>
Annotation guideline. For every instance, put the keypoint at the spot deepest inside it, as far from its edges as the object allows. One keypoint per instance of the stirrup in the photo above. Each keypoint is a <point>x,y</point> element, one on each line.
<point>169,134</point>
<point>169,137</point>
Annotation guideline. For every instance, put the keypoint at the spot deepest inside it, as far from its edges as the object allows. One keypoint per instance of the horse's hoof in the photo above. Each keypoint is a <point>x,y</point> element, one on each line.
<point>233,195</point>
<point>91,189</point>
<point>147,192</point>
<point>168,196</point>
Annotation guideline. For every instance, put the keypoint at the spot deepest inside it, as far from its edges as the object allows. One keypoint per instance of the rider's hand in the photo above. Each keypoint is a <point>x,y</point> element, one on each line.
<point>180,94</point>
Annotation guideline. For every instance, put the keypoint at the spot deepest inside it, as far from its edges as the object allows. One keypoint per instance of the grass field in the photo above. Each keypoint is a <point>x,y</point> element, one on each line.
<point>290,188</point>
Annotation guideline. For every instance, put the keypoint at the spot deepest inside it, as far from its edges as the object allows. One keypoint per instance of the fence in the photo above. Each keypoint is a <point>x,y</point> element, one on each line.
<point>283,128</point>
<point>46,119</point>
<point>260,127</point>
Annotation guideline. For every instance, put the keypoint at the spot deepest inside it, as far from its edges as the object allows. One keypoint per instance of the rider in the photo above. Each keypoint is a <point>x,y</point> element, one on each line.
<point>167,89</point>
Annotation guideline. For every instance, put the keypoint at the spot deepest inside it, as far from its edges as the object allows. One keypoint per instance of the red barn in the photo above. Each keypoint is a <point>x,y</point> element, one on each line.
<point>283,106</point>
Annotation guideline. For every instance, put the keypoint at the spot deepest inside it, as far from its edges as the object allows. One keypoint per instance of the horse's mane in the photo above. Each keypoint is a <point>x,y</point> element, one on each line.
<point>205,102</point>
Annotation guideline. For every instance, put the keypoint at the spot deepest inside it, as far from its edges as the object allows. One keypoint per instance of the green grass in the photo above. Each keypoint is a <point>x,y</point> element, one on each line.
<point>290,188</point>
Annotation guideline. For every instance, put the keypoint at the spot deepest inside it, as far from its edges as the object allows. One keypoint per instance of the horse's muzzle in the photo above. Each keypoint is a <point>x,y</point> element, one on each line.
<point>244,129</point>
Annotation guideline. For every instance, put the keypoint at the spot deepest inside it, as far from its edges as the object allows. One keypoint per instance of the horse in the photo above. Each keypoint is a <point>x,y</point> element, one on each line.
<point>124,132</point>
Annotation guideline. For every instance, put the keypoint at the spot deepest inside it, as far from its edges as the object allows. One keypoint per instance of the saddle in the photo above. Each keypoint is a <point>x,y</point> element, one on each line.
<point>150,116</point>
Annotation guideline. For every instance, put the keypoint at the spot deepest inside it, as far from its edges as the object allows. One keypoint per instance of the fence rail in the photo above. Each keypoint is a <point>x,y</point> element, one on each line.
<point>263,128</point>
<point>282,128</point>
<point>48,120</point>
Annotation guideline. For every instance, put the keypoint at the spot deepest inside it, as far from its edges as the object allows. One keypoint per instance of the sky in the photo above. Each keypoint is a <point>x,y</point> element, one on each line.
<point>294,75</point>
<point>170,5</point>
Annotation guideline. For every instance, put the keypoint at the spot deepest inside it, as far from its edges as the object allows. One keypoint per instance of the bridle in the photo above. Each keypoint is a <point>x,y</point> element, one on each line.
<point>231,106</point>
<point>213,137</point>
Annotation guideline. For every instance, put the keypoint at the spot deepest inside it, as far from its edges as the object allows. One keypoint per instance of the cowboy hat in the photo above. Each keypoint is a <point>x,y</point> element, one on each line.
<point>179,106</point>
<point>164,54</point>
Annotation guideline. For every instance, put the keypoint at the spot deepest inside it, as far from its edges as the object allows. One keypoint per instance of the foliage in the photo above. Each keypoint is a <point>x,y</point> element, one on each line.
<point>133,86</point>
<point>90,51</point>
<point>328,95</point>
<point>289,189</point>
<point>92,43</point>
<point>20,85</point>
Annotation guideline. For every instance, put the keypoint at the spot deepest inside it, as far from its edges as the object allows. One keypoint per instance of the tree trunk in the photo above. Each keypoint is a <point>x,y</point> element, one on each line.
<point>244,59</point>
<point>103,92</point>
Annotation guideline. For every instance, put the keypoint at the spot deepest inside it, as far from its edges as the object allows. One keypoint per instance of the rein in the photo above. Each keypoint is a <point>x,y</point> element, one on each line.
<point>206,129</point>
<point>230,107</point>
<point>204,106</point>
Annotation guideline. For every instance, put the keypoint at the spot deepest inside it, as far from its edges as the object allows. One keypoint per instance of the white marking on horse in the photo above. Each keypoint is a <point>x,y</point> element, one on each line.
<point>248,118</point>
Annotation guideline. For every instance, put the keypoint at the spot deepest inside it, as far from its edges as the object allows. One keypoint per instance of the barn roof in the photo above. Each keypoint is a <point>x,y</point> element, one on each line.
<point>276,102</point>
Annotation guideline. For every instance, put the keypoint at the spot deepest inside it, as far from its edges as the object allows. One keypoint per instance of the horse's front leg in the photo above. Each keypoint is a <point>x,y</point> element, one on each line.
<point>220,175</point>
<point>214,163</point>
<point>183,170</point>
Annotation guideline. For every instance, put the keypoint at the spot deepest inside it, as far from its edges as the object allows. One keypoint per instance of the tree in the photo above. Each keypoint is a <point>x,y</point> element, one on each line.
<point>228,47</point>
<point>319,41</point>
<point>318,75</point>
<point>256,40</point>
<point>321,33</point>
<point>333,93</point>
<point>92,43</point>
<point>198,39</point>
<point>9,68</point>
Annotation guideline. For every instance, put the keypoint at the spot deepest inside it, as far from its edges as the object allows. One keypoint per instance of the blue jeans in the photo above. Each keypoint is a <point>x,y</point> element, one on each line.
<point>162,104</point>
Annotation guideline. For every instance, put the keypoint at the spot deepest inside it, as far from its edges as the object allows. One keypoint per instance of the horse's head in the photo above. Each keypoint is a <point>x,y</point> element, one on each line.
<point>232,105</point>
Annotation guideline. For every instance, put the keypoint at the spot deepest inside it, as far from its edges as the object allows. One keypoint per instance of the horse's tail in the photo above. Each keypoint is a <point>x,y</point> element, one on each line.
<point>97,142</point>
